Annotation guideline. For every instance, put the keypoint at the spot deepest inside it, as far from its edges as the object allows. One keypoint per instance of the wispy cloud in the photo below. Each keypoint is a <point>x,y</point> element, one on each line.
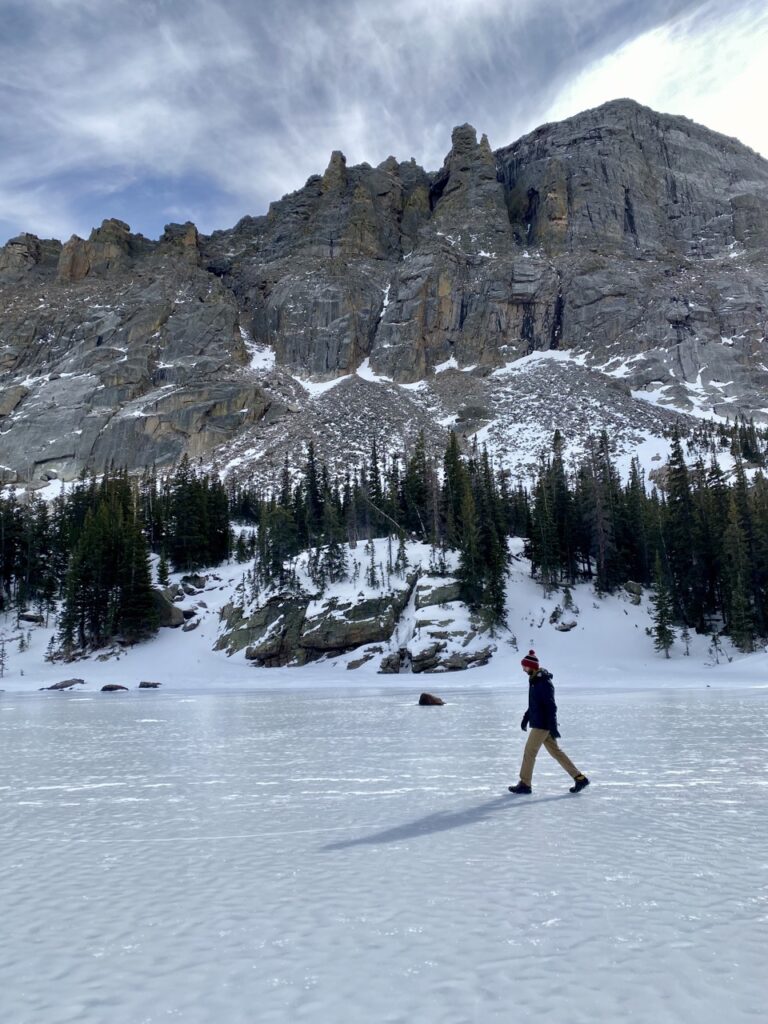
<point>153,109</point>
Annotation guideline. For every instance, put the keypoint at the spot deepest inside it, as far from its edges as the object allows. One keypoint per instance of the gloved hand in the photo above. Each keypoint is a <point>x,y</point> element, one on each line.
<point>524,722</point>
<point>554,732</point>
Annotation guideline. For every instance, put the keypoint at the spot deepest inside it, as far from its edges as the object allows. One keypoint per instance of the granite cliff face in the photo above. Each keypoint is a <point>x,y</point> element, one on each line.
<point>635,242</point>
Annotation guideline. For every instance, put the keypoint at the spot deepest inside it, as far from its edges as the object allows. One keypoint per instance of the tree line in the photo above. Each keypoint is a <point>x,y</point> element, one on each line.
<point>696,537</point>
<point>87,552</point>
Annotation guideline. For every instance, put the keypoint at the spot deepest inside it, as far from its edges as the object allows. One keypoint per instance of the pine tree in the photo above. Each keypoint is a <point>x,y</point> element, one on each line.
<point>739,621</point>
<point>334,559</point>
<point>416,491</point>
<point>680,537</point>
<point>241,550</point>
<point>543,547</point>
<point>371,575</point>
<point>401,558</point>
<point>313,500</point>
<point>470,569</point>
<point>137,614</point>
<point>663,633</point>
<point>685,636</point>
<point>163,575</point>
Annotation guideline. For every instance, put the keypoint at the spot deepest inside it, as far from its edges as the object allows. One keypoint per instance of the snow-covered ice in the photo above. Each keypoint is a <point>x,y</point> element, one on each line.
<point>345,855</point>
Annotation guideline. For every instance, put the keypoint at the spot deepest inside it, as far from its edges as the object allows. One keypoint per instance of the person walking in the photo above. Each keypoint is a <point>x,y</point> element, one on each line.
<point>542,718</point>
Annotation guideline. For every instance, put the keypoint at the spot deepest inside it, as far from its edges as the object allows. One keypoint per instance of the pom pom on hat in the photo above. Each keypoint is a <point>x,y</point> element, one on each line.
<point>530,660</point>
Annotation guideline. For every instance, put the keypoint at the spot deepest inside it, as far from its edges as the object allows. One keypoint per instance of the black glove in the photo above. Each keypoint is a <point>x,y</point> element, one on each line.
<point>554,732</point>
<point>524,722</point>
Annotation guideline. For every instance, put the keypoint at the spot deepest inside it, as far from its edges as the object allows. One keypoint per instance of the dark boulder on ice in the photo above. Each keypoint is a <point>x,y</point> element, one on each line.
<point>429,699</point>
<point>147,684</point>
<point>112,687</point>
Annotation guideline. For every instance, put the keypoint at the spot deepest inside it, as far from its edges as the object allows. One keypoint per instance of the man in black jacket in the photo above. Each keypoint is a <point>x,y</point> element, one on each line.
<point>542,718</point>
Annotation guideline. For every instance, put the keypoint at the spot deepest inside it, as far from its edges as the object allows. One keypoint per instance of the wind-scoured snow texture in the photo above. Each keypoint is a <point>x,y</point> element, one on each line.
<point>347,857</point>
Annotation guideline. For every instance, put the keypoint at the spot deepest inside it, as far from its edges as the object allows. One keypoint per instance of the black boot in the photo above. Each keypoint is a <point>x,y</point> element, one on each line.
<point>520,788</point>
<point>579,783</point>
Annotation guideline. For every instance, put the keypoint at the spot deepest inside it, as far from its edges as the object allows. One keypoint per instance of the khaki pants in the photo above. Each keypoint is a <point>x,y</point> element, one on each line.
<point>536,739</point>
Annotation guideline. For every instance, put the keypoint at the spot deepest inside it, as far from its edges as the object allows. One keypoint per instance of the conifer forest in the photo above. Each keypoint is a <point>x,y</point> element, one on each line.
<point>696,536</point>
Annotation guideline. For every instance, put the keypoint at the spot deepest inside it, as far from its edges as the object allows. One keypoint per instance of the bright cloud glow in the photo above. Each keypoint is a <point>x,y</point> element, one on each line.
<point>712,71</point>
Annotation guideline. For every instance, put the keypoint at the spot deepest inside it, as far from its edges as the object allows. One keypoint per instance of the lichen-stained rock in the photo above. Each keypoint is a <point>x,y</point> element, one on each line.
<point>624,178</point>
<point>289,629</point>
<point>110,249</point>
<point>334,627</point>
<point>273,633</point>
<point>391,663</point>
<point>436,590</point>
<point>466,293</point>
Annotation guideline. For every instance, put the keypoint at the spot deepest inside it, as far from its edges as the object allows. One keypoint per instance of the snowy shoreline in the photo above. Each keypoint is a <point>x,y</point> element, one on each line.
<point>609,648</point>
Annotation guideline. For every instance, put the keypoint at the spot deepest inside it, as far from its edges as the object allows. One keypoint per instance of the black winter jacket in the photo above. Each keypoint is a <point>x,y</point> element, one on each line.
<point>542,710</point>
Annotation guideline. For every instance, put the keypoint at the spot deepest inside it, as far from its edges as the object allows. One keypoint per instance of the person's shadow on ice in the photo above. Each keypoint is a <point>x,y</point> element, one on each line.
<point>441,821</point>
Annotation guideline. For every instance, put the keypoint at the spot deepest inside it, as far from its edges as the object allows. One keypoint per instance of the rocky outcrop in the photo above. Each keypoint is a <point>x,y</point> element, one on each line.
<point>338,626</point>
<point>110,249</point>
<point>25,253</point>
<point>294,630</point>
<point>635,240</point>
<point>435,591</point>
<point>168,614</point>
<point>65,684</point>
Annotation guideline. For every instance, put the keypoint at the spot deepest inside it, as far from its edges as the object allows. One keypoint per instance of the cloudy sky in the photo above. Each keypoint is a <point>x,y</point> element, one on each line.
<point>173,110</point>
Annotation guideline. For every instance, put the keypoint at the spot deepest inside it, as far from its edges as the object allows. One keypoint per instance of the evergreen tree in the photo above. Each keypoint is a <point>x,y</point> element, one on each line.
<point>663,633</point>
<point>739,621</point>
<point>163,574</point>
<point>137,615</point>
<point>470,569</point>
<point>452,491</point>
<point>416,491</point>
<point>679,537</point>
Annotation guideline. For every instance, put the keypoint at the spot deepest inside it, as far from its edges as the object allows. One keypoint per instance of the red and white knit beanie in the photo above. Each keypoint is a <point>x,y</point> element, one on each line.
<point>530,661</point>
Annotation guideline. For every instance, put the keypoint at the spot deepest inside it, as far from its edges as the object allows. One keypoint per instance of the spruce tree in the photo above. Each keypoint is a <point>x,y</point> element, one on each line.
<point>739,621</point>
<point>137,614</point>
<point>663,633</point>
<point>163,574</point>
<point>470,569</point>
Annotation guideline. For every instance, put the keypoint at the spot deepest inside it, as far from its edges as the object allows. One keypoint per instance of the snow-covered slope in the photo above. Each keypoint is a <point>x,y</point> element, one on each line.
<point>514,411</point>
<point>608,646</point>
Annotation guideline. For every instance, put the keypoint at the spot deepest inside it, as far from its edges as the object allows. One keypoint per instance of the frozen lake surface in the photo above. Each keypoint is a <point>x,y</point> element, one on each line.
<point>342,857</point>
